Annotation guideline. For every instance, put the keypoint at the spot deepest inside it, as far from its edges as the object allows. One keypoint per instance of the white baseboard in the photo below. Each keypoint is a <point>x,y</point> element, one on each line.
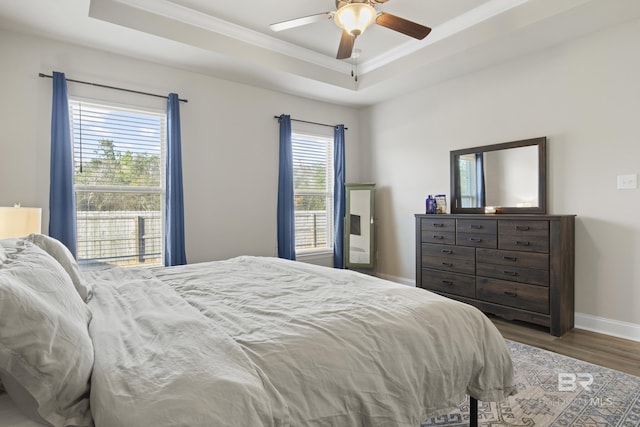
<point>397,279</point>
<point>602,325</point>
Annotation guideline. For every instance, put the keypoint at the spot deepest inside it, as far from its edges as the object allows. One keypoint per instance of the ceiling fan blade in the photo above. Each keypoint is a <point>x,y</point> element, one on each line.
<point>298,22</point>
<point>346,45</point>
<point>403,26</point>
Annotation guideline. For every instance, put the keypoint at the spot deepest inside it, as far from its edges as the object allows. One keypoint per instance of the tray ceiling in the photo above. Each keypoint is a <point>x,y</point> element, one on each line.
<point>233,40</point>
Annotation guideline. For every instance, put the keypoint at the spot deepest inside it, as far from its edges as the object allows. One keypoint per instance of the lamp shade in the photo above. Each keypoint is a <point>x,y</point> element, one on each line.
<point>18,221</point>
<point>354,18</point>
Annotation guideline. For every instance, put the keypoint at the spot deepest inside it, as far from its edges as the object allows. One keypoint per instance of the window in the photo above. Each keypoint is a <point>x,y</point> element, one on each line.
<point>119,184</point>
<point>313,191</point>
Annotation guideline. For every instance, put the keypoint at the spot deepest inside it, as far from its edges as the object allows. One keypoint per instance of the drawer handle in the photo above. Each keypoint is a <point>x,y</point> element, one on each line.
<point>510,258</point>
<point>447,282</point>
<point>522,243</point>
<point>522,228</point>
<point>438,225</point>
<point>435,236</point>
<point>511,294</point>
<point>475,227</point>
<point>447,264</point>
<point>471,239</point>
<point>510,273</point>
<point>446,251</point>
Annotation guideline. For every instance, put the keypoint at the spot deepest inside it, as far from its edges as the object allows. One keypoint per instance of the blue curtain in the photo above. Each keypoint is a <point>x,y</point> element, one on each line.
<point>338,196</point>
<point>174,247</point>
<point>62,200</point>
<point>480,179</point>
<point>286,218</point>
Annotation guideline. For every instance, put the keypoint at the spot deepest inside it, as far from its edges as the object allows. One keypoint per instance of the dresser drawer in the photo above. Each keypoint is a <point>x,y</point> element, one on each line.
<point>450,264</point>
<point>513,258</point>
<point>518,295</point>
<point>476,226</point>
<point>438,224</point>
<point>451,283</point>
<point>517,274</point>
<point>447,251</point>
<point>476,240</point>
<point>530,236</point>
<point>435,236</point>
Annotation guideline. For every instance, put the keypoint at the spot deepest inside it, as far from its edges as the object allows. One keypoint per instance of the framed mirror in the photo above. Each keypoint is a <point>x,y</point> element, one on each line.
<point>359,239</point>
<point>512,177</point>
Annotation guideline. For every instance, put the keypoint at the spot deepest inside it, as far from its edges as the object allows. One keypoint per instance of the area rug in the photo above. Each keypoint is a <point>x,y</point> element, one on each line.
<point>555,390</point>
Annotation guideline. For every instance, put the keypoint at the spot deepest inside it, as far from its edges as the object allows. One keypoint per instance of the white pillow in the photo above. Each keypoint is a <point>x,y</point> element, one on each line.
<point>46,353</point>
<point>61,253</point>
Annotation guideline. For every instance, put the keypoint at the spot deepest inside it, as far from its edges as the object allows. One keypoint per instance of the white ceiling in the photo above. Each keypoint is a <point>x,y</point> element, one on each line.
<point>232,39</point>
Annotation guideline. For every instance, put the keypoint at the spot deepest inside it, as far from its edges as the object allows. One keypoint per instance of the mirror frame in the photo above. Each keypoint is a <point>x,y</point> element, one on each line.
<point>540,142</point>
<point>371,188</point>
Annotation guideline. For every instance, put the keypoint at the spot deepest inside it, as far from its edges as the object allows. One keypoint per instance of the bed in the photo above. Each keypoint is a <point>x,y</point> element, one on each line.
<point>249,341</point>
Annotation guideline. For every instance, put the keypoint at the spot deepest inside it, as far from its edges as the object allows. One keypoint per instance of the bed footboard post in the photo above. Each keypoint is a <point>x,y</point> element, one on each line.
<point>473,412</point>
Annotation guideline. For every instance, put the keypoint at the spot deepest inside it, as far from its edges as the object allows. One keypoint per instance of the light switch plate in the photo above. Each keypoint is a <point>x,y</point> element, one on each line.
<point>628,182</point>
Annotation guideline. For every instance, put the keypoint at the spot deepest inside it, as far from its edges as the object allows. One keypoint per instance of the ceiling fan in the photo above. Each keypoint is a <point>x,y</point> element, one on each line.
<point>353,17</point>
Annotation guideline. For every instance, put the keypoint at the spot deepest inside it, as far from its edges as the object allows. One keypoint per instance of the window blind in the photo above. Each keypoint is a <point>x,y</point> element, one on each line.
<point>313,191</point>
<point>119,184</point>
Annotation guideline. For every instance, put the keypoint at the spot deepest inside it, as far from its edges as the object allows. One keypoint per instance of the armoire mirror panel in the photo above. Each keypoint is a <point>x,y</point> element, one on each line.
<point>359,239</point>
<point>510,176</point>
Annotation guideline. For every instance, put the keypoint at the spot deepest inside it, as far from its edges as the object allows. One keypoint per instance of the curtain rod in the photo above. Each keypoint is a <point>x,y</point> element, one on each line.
<point>113,87</point>
<point>311,123</point>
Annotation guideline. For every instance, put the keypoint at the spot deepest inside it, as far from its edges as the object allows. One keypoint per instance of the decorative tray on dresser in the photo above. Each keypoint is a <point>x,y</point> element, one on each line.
<point>517,266</point>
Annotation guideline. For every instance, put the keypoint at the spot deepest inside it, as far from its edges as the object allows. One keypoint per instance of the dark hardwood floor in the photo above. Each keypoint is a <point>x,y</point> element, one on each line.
<point>612,352</point>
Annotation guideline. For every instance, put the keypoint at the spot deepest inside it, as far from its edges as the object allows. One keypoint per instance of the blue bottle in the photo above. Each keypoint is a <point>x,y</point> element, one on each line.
<point>431,207</point>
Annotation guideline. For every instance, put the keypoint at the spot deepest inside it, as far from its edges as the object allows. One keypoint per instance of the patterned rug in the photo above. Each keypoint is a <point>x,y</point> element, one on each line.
<point>555,390</point>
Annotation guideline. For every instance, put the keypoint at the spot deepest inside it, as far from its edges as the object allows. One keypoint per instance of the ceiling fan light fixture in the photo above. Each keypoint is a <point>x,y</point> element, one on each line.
<point>354,18</point>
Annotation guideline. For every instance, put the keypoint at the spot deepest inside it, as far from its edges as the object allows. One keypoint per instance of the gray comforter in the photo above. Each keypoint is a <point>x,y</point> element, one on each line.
<point>266,342</point>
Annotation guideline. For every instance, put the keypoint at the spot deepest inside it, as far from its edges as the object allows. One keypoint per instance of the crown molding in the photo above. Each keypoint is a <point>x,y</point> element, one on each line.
<point>176,11</point>
<point>171,10</point>
<point>446,29</point>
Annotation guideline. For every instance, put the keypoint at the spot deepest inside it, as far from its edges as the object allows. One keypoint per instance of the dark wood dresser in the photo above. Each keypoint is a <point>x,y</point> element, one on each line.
<point>515,266</point>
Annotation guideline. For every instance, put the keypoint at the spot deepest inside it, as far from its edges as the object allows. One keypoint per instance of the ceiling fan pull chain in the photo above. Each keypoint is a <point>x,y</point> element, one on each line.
<point>354,69</point>
<point>354,63</point>
<point>356,73</point>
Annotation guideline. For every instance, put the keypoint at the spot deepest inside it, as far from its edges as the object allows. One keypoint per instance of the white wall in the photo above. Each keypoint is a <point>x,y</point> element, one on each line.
<point>584,96</point>
<point>229,138</point>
